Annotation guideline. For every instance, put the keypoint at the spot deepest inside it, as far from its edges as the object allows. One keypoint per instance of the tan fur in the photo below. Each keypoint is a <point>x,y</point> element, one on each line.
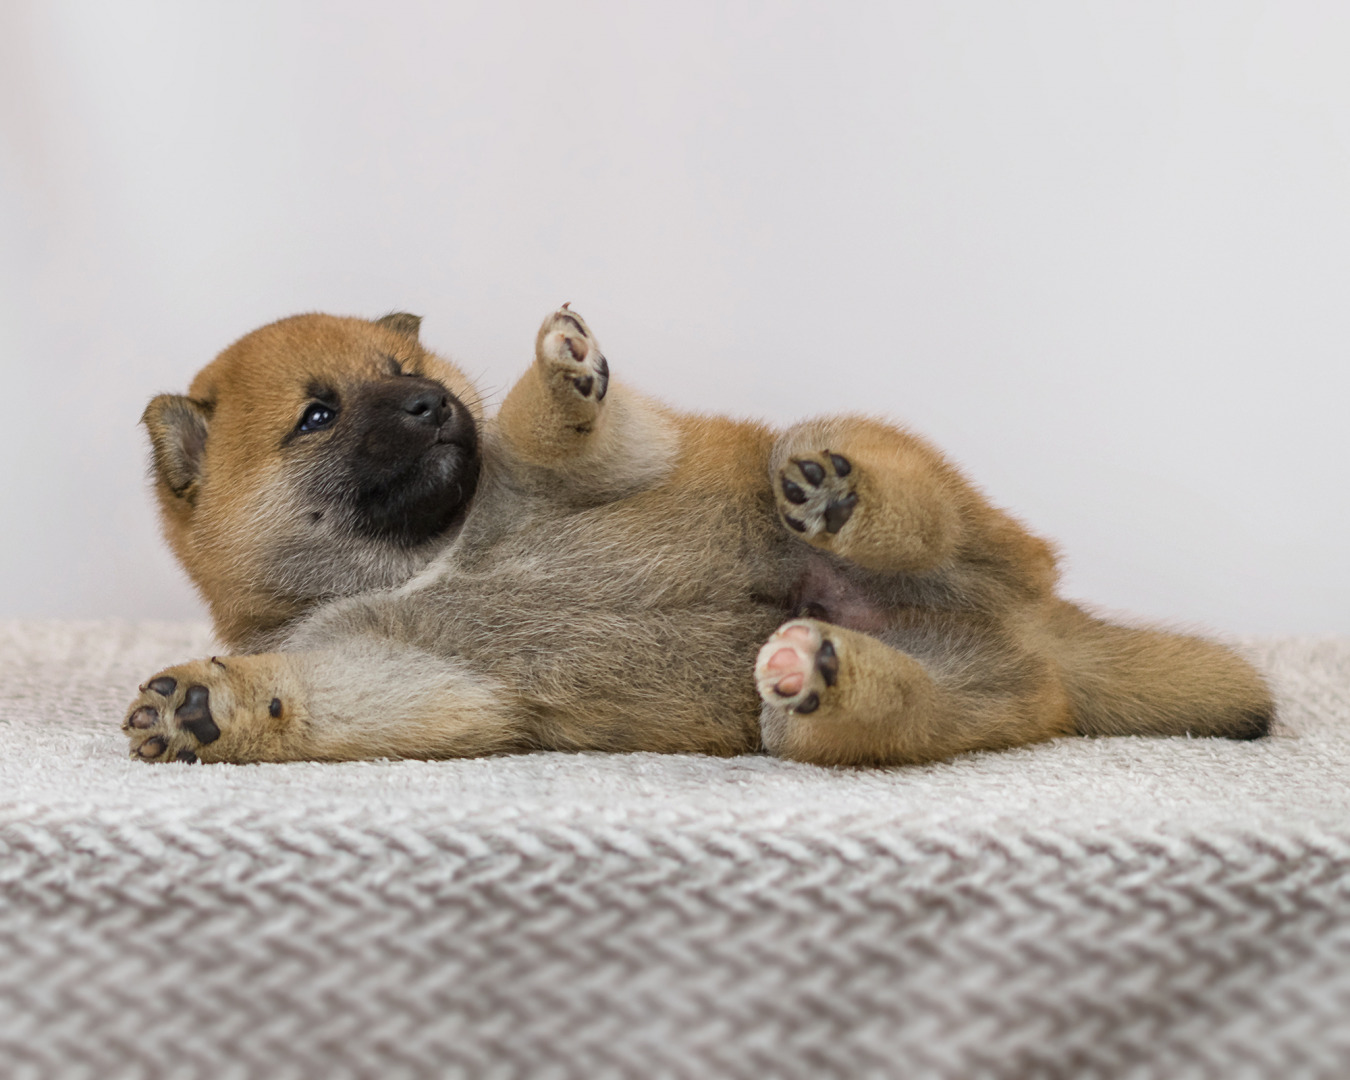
<point>222,524</point>
<point>620,567</point>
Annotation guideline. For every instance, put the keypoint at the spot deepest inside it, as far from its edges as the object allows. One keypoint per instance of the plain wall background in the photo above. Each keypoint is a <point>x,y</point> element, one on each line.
<point>1098,252</point>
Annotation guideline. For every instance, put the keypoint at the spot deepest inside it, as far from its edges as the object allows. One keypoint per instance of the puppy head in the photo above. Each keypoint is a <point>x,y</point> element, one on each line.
<point>315,457</point>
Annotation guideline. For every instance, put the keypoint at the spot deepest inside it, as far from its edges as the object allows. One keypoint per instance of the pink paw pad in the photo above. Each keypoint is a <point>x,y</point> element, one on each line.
<point>567,343</point>
<point>795,666</point>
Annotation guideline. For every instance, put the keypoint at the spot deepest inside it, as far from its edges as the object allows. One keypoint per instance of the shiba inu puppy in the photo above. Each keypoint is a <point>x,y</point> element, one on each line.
<point>401,576</point>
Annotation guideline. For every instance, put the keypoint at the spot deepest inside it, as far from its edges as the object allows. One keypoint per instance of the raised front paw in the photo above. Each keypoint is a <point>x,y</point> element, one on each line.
<point>183,712</point>
<point>816,495</point>
<point>572,361</point>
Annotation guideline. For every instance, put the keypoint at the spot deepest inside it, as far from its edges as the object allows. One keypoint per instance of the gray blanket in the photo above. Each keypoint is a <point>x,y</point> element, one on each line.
<point>1118,907</point>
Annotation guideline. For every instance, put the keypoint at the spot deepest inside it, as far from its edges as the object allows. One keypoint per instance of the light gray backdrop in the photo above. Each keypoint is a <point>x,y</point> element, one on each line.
<point>1100,253</point>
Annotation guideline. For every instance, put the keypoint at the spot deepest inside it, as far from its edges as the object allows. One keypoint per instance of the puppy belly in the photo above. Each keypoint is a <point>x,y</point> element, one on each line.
<point>827,593</point>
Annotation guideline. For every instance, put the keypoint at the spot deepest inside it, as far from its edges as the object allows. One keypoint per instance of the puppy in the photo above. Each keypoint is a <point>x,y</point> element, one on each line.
<point>401,577</point>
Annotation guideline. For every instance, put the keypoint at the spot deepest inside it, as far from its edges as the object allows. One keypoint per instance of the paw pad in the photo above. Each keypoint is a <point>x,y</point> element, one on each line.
<point>143,718</point>
<point>194,715</point>
<point>815,495</point>
<point>152,747</point>
<point>170,721</point>
<point>796,667</point>
<point>567,345</point>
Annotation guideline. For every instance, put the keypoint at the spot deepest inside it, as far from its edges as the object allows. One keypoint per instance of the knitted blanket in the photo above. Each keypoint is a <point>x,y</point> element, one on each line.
<point>1114,907</point>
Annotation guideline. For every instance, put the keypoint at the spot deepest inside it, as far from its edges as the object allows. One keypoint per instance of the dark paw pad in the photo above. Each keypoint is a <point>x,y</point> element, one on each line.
<point>194,715</point>
<point>827,662</point>
<point>816,497</point>
<point>812,471</point>
<point>793,493</point>
<point>598,380</point>
<point>838,511</point>
<point>152,747</point>
<point>601,379</point>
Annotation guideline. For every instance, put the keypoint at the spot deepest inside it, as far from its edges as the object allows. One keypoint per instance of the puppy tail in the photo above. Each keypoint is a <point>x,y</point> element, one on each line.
<point>1127,681</point>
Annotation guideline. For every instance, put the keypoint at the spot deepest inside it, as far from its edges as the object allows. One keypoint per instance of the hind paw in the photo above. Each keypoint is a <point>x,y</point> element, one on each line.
<point>797,667</point>
<point>816,494</point>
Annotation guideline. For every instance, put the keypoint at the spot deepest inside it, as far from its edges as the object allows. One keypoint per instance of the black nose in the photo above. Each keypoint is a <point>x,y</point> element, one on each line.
<point>428,406</point>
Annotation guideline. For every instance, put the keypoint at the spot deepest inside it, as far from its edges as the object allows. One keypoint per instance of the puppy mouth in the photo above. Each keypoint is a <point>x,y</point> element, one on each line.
<point>407,466</point>
<point>425,499</point>
<point>452,434</point>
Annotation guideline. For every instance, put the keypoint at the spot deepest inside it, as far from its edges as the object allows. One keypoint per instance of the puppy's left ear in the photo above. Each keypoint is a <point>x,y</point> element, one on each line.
<point>400,322</point>
<point>178,427</point>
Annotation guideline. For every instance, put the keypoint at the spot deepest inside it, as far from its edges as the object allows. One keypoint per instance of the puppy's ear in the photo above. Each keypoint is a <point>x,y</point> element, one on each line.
<point>178,427</point>
<point>400,322</point>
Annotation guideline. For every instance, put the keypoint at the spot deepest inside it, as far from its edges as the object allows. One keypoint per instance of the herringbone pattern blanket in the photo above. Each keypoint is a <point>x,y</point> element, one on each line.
<point>1109,908</point>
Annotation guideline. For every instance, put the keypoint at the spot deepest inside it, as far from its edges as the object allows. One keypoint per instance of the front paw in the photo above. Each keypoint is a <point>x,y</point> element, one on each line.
<point>571,361</point>
<point>203,710</point>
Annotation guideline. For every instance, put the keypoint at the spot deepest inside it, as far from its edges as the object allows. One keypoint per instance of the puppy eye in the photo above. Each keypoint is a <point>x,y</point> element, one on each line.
<point>317,417</point>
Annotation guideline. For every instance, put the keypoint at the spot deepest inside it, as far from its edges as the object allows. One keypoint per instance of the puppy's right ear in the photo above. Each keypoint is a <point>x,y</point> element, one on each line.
<point>400,322</point>
<point>178,427</point>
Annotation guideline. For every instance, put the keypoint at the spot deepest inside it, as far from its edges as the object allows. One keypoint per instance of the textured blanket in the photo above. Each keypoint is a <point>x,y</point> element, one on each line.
<point>1117,907</point>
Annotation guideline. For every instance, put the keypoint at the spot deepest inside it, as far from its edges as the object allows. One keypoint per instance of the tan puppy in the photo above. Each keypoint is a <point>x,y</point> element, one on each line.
<point>591,570</point>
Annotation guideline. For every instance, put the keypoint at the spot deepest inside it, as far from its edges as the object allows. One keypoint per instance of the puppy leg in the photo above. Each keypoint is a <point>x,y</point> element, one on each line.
<point>869,492</point>
<point>586,436</point>
<point>560,402</point>
<point>837,697</point>
<point>358,700</point>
